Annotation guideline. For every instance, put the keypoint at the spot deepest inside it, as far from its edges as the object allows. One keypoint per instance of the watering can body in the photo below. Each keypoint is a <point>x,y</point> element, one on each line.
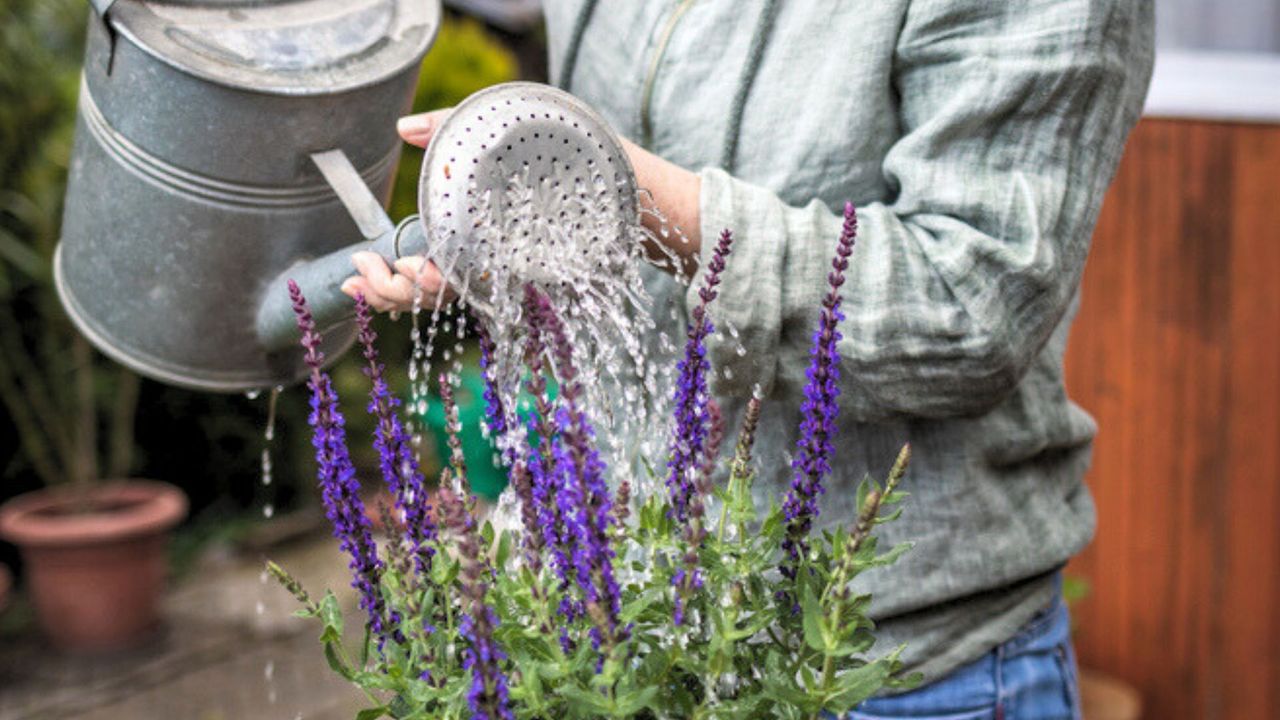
<point>194,181</point>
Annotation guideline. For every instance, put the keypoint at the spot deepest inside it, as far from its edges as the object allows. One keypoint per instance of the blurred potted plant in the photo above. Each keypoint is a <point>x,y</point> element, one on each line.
<point>93,549</point>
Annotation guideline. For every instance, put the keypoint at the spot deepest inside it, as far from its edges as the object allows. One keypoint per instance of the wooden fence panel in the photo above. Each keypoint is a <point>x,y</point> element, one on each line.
<point>1176,353</point>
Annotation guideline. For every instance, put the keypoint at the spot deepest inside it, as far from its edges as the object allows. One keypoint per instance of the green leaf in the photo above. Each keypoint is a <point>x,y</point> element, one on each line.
<point>864,489</point>
<point>504,550</point>
<point>858,684</point>
<point>756,624</point>
<point>331,616</point>
<point>632,609</point>
<point>895,497</point>
<point>630,703</point>
<point>373,713</point>
<point>816,634</point>
<point>892,556</point>
<point>400,707</point>
<point>772,525</point>
<point>335,661</point>
<point>587,699</point>
<point>890,517</point>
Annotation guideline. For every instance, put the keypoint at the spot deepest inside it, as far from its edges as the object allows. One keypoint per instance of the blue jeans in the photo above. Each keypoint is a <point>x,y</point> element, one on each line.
<point>1030,677</point>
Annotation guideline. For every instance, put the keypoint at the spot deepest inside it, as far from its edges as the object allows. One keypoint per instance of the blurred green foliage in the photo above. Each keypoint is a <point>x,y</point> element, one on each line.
<point>51,385</point>
<point>210,445</point>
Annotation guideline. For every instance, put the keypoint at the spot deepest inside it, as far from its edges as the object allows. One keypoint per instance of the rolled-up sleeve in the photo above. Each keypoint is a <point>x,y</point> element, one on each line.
<point>1013,117</point>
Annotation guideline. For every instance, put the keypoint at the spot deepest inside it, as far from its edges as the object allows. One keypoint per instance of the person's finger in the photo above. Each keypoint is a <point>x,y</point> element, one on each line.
<point>419,129</point>
<point>428,277</point>
<point>373,268</point>
<point>422,270</point>
<point>358,285</point>
<point>379,286</point>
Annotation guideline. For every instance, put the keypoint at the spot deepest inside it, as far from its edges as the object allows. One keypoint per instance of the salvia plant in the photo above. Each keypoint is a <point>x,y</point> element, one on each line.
<point>688,603</point>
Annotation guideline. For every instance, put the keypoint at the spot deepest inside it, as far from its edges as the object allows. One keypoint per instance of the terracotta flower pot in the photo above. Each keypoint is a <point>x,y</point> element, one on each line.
<point>1108,698</point>
<point>95,560</point>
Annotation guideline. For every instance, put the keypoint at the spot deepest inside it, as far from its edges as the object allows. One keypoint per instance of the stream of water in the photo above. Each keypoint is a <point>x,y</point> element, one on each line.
<point>590,263</point>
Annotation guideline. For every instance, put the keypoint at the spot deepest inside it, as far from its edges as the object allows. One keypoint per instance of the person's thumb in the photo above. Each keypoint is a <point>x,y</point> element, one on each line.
<point>418,129</point>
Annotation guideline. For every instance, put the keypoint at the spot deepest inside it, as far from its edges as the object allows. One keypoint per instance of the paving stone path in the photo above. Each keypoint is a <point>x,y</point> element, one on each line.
<point>230,650</point>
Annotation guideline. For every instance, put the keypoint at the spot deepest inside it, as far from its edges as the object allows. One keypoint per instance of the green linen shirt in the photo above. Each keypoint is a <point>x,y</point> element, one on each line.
<point>977,139</point>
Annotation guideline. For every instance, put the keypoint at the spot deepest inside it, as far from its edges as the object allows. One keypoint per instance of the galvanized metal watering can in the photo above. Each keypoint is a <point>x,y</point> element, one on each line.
<point>225,146</point>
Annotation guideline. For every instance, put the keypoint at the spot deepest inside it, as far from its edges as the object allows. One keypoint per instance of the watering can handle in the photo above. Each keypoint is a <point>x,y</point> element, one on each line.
<point>101,7</point>
<point>354,193</point>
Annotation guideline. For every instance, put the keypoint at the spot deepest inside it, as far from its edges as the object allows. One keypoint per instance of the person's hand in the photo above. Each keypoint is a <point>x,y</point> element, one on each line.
<point>388,288</point>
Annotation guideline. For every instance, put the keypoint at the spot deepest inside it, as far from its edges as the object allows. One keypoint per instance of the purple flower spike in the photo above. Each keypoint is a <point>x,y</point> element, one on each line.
<point>488,697</point>
<point>817,426</point>
<point>453,428</point>
<point>583,496</point>
<point>714,442</point>
<point>494,412</point>
<point>397,461</point>
<point>337,476</point>
<point>534,541</point>
<point>543,479</point>
<point>691,391</point>
<point>688,578</point>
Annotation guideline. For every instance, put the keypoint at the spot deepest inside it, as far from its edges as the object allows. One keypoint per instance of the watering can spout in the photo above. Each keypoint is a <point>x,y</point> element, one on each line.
<point>321,279</point>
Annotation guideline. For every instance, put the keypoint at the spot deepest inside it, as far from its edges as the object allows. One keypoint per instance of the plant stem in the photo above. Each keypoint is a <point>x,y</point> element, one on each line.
<point>724,507</point>
<point>29,434</point>
<point>346,660</point>
<point>86,416</point>
<point>122,417</point>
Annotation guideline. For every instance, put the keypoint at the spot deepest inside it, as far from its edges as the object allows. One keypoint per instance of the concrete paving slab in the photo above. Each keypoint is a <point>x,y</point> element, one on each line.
<point>230,649</point>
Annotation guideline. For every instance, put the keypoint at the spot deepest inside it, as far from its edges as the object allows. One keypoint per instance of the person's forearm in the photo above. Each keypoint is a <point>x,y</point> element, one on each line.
<point>676,194</point>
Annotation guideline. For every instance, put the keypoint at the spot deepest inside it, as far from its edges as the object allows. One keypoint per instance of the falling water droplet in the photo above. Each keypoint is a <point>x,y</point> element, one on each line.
<point>266,467</point>
<point>269,433</point>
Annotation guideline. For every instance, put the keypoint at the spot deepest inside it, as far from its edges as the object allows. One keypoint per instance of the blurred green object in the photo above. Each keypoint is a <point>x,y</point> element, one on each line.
<point>487,478</point>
